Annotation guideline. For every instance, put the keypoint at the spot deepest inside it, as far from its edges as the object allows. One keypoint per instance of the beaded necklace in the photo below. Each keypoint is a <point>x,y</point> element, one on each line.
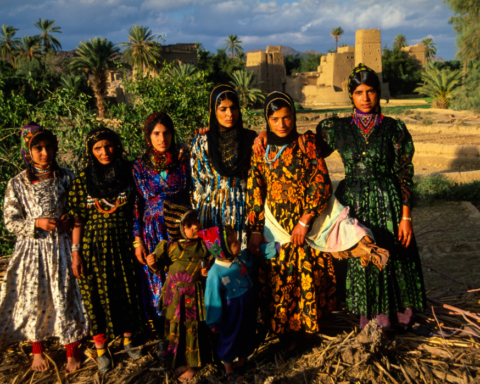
<point>267,153</point>
<point>40,171</point>
<point>121,200</point>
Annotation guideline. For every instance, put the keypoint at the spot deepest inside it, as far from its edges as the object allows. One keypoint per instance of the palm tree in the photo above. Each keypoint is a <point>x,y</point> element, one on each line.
<point>439,84</point>
<point>72,83</point>
<point>243,82</point>
<point>96,57</point>
<point>242,56</point>
<point>400,41</point>
<point>233,44</point>
<point>29,49</point>
<point>47,41</point>
<point>183,71</point>
<point>8,43</point>
<point>430,48</point>
<point>336,33</point>
<point>141,49</point>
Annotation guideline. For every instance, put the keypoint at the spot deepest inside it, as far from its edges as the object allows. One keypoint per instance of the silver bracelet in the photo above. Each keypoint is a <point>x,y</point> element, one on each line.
<point>302,224</point>
<point>75,247</point>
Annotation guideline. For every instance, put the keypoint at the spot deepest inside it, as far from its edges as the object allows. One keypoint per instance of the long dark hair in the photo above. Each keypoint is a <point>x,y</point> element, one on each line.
<point>45,135</point>
<point>229,150</point>
<point>367,77</point>
<point>274,102</point>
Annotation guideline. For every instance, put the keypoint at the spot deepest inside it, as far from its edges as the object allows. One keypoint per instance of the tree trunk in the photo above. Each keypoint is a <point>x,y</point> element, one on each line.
<point>336,43</point>
<point>464,71</point>
<point>100,90</point>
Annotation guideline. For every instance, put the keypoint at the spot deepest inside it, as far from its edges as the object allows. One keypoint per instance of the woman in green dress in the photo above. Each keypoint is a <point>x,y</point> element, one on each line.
<point>377,153</point>
<point>101,200</point>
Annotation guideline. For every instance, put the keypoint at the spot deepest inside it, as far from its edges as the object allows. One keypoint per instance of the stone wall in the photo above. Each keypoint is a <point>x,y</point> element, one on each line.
<point>328,85</point>
<point>269,68</point>
<point>416,52</point>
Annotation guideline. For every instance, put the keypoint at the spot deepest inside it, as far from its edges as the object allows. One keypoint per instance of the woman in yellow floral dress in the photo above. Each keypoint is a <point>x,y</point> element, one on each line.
<point>290,183</point>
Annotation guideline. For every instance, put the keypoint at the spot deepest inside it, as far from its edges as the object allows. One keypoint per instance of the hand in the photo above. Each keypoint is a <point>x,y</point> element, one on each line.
<point>141,254</point>
<point>204,272</point>
<point>183,153</point>
<point>77,264</point>
<point>151,261</point>
<point>203,131</point>
<point>299,232</point>
<point>254,244</point>
<point>46,224</point>
<point>65,222</point>
<point>298,235</point>
<point>215,330</point>
<point>405,233</point>
<point>260,144</point>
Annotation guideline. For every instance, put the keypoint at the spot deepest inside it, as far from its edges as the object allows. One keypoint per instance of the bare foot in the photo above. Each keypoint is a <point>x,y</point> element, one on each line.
<point>181,370</point>
<point>188,375</point>
<point>73,364</point>
<point>39,363</point>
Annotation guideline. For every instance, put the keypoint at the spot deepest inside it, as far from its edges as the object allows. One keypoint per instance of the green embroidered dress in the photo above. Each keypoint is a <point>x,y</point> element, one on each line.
<point>378,182</point>
<point>181,302</point>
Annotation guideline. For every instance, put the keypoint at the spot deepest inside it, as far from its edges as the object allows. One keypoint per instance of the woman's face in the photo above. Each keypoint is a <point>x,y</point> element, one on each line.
<point>365,98</point>
<point>42,153</point>
<point>161,138</point>
<point>227,113</point>
<point>104,151</point>
<point>281,122</point>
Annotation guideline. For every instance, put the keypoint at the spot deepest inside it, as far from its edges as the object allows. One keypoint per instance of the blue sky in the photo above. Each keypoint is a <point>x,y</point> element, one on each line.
<point>300,24</point>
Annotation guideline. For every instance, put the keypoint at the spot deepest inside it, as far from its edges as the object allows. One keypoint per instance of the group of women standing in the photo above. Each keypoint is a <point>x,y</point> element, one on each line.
<point>94,225</point>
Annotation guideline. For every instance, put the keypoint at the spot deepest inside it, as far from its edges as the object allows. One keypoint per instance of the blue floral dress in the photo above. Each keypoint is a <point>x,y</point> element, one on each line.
<point>153,189</point>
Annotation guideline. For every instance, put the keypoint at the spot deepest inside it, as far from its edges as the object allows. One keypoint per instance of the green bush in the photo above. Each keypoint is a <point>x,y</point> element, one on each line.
<point>429,188</point>
<point>427,121</point>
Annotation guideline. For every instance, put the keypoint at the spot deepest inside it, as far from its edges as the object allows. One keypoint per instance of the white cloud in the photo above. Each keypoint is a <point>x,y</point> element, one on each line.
<point>303,24</point>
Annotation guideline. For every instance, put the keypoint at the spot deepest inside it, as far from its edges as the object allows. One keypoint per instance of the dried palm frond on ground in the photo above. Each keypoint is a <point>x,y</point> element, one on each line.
<point>448,353</point>
<point>442,347</point>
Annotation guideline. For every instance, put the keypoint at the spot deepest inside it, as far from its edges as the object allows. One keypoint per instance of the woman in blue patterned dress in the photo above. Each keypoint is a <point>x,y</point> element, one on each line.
<point>220,163</point>
<point>159,177</point>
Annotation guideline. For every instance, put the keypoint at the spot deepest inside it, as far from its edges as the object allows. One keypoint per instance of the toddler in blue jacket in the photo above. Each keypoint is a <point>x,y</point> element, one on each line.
<point>230,298</point>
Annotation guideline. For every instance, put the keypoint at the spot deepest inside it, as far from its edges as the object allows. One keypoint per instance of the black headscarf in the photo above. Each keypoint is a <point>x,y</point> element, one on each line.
<point>230,149</point>
<point>107,180</point>
<point>272,138</point>
<point>153,159</point>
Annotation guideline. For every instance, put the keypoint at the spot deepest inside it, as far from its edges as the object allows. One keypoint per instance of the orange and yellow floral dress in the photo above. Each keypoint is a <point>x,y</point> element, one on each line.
<point>298,285</point>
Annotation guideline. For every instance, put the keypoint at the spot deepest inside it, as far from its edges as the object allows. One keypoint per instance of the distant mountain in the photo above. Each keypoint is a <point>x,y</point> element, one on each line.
<point>288,51</point>
<point>437,58</point>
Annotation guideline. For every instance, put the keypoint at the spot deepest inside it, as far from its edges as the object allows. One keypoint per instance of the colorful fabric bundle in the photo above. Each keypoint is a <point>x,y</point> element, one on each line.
<point>215,240</point>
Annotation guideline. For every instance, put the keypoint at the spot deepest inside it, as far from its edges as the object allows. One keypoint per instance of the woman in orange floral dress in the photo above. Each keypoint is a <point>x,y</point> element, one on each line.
<point>291,182</point>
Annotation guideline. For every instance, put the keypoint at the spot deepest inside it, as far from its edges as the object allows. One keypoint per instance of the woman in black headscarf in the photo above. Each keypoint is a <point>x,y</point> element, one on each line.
<point>289,187</point>
<point>220,162</point>
<point>101,200</point>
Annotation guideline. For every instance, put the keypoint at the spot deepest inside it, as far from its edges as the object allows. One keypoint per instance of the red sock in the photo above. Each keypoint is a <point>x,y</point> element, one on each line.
<point>100,340</point>
<point>37,347</point>
<point>73,350</point>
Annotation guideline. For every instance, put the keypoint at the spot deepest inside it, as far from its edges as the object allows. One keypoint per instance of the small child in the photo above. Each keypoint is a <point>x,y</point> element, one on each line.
<point>181,300</point>
<point>230,299</point>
